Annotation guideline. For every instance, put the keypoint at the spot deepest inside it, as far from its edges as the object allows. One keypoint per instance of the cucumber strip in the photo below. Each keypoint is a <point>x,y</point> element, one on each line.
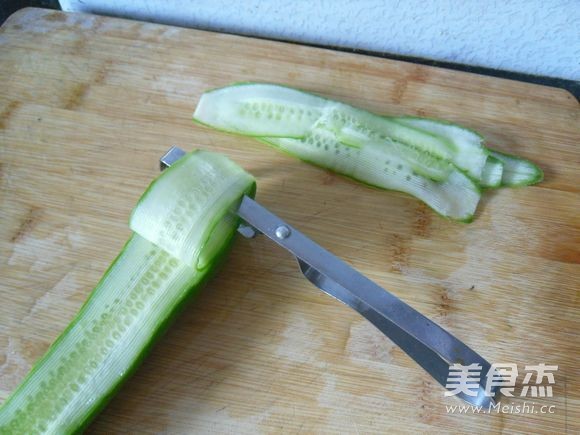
<point>517,171</point>
<point>434,156</point>
<point>85,364</point>
<point>370,126</point>
<point>471,154</point>
<point>259,109</point>
<point>174,212</point>
<point>423,163</point>
<point>131,305</point>
<point>492,173</point>
<point>456,197</point>
<point>254,109</point>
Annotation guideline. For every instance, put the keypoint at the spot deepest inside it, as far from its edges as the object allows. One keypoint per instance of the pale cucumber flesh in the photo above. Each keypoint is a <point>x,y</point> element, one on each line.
<point>434,154</point>
<point>492,173</point>
<point>423,163</point>
<point>259,110</point>
<point>471,154</point>
<point>517,171</point>
<point>376,127</point>
<point>456,197</point>
<point>96,351</point>
<point>174,212</point>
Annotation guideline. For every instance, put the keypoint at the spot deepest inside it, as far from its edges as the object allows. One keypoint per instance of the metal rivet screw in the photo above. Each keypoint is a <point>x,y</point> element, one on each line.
<point>282,232</point>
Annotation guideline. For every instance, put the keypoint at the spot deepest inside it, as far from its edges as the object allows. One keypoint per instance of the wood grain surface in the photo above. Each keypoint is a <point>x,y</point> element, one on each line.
<point>87,106</point>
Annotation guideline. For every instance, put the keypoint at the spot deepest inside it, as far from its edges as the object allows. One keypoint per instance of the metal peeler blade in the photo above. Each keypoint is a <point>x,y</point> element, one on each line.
<point>431,346</point>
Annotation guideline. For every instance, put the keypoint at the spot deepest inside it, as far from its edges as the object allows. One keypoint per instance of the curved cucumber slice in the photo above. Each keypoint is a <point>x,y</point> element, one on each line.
<point>423,163</point>
<point>433,155</point>
<point>470,153</point>
<point>492,173</point>
<point>131,305</point>
<point>260,109</point>
<point>517,171</point>
<point>456,197</point>
<point>179,210</point>
<point>267,110</point>
<point>254,109</point>
<point>370,126</point>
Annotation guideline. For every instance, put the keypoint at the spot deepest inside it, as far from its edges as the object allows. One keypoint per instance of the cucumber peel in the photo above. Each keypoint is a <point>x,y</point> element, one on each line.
<point>136,298</point>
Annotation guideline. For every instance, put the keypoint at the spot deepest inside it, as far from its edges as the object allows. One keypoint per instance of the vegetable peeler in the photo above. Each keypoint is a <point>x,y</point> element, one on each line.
<point>431,346</point>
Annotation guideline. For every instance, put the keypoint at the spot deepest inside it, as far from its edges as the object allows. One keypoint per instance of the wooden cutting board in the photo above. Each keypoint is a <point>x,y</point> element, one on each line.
<point>87,106</point>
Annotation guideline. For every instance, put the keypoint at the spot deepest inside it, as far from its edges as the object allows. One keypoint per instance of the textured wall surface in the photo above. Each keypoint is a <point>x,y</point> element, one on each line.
<point>530,36</point>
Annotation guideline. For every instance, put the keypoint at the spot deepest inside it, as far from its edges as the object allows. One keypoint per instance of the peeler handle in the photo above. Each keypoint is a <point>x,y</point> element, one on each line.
<point>431,346</point>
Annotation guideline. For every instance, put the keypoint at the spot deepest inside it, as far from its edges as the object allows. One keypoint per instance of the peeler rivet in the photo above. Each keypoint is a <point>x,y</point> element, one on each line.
<point>282,232</point>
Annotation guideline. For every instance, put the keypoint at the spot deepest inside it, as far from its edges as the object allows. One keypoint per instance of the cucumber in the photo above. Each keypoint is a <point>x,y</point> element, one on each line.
<point>500,169</point>
<point>379,128</point>
<point>260,109</point>
<point>136,298</point>
<point>431,157</point>
<point>423,163</point>
<point>492,173</point>
<point>517,171</point>
<point>470,153</point>
<point>255,109</point>
<point>456,197</point>
<point>192,195</point>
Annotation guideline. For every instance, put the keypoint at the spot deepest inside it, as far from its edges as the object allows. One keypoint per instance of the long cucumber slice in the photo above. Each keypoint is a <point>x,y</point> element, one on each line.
<point>379,128</point>
<point>422,163</point>
<point>134,301</point>
<point>500,169</point>
<point>471,154</point>
<point>517,171</point>
<point>456,197</point>
<point>434,156</point>
<point>492,173</point>
<point>196,197</point>
<point>259,109</point>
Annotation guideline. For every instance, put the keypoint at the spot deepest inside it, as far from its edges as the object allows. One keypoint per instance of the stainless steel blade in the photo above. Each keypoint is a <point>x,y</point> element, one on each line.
<point>432,347</point>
